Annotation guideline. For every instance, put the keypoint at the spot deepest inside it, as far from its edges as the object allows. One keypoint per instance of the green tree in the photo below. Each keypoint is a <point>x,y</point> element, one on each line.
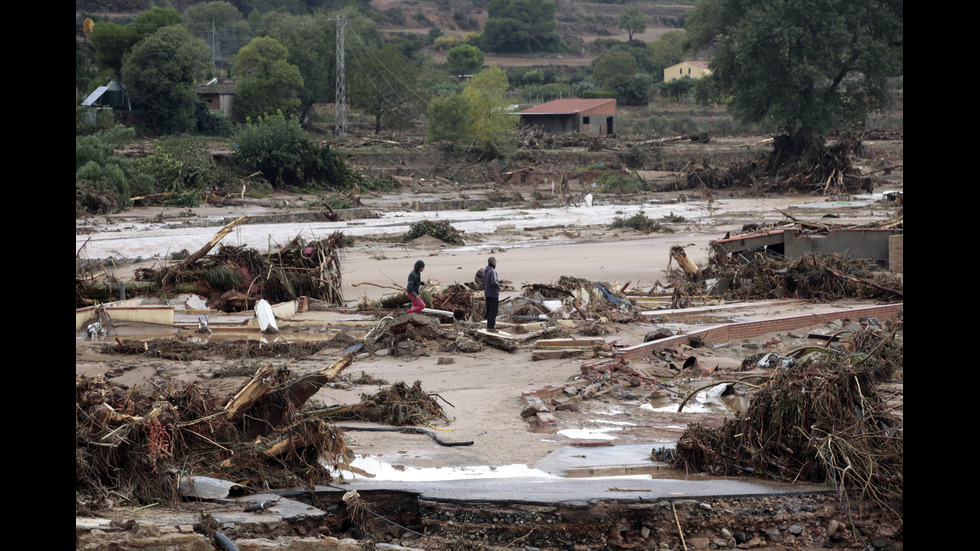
<point>160,72</point>
<point>266,82</point>
<point>520,26</point>
<point>667,51</point>
<point>222,28</point>
<point>383,84</point>
<point>277,146</point>
<point>113,41</point>
<point>614,64</point>
<point>447,121</point>
<point>477,119</point>
<point>802,68</point>
<point>154,19</point>
<point>487,118</point>
<point>464,59</point>
<point>312,44</point>
<point>634,89</point>
<point>179,163</point>
<point>632,21</point>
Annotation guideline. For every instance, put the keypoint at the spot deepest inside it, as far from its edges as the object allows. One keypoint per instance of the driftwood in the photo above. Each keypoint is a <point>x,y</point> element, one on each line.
<point>677,253</point>
<point>250,393</point>
<point>205,249</point>
<point>297,392</point>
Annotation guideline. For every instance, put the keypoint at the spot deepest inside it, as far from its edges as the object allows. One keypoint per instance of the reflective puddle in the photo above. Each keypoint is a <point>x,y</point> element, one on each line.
<point>375,469</point>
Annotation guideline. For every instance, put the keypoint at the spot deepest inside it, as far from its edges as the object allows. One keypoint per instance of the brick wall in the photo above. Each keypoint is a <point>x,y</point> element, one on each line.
<point>748,329</point>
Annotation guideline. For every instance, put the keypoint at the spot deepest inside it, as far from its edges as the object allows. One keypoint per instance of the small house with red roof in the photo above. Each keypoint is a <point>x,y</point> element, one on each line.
<point>591,116</point>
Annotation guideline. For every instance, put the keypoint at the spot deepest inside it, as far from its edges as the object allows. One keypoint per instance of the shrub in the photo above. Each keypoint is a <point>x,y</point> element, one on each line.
<point>440,230</point>
<point>179,164</point>
<point>278,147</point>
<point>382,182</point>
<point>105,181</point>
<point>639,222</point>
<point>617,183</point>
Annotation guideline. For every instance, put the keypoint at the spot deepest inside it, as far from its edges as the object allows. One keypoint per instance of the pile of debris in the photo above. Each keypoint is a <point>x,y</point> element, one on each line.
<point>238,349</point>
<point>820,418</point>
<point>818,277</point>
<point>145,449</point>
<point>138,447</point>
<point>236,278</point>
<point>568,297</point>
<point>827,171</point>
<point>397,405</point>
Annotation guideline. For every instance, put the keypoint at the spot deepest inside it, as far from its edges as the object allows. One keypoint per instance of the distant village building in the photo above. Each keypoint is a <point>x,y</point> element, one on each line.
<point>592,116</point>
<point>111,95</point>
<point>219,94</point>
<point>693,69</point>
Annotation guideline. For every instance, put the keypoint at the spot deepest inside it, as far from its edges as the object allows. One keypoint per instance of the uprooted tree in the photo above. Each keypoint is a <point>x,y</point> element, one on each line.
<point>138,448</point>
<point>802,71</point>
<point>135,447</point>
<point>236,278</point>
<point>824,419</point>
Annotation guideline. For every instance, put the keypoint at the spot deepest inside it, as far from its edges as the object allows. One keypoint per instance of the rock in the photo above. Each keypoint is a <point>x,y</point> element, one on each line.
<point>445,361</point>
<point>657,335</point>
<point>698,543</point>
<point>832,527</point>
<point>795,529</point>
<point>740,537</point>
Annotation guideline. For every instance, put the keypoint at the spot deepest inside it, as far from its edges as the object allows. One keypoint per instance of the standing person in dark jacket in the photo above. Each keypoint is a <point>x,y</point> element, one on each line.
<point>491,290</point>
<point>414,289</point>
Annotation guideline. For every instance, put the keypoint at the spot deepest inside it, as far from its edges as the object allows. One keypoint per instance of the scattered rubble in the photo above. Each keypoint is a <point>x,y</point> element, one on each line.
<point>818,417</point>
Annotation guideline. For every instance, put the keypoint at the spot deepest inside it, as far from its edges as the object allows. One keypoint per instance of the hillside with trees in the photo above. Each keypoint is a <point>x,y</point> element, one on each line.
<point>446,71</point>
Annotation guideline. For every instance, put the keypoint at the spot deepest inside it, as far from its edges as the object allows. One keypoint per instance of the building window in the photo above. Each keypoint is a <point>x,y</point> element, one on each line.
<point>585,120</point>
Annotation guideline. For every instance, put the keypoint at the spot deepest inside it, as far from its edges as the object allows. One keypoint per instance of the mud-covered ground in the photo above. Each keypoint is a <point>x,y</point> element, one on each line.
<point>534,241</point>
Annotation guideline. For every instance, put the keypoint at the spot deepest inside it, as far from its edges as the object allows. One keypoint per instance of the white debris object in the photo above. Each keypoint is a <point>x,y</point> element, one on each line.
<point>267,320</point>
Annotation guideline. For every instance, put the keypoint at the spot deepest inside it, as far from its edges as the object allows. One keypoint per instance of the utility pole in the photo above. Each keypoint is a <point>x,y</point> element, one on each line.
<point>341,92</point>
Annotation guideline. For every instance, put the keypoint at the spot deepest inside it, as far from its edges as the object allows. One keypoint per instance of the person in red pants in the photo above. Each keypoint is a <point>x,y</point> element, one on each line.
<point>414,289</point>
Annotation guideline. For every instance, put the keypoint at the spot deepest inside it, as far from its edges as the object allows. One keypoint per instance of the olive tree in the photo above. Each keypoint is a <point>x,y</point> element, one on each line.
<point>801,68</point>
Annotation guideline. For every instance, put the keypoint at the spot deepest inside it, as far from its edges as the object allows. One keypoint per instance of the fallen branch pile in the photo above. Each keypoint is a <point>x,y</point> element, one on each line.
<point>241,349</point>
<point>820,420</point>
<point>132,447</point>
<point>398,405</point>
<point>235,278</point>
<point>817,277</point>
<point>825,170</point>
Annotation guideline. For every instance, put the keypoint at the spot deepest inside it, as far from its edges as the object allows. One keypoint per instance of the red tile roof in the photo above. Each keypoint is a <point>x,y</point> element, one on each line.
<point>566,106</point>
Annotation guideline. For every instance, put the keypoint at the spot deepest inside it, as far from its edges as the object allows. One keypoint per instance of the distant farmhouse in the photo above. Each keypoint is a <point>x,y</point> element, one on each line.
<point>219,94</point>
<point>592,116</point>
<point>112,95</point>
<point>693,69</point>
